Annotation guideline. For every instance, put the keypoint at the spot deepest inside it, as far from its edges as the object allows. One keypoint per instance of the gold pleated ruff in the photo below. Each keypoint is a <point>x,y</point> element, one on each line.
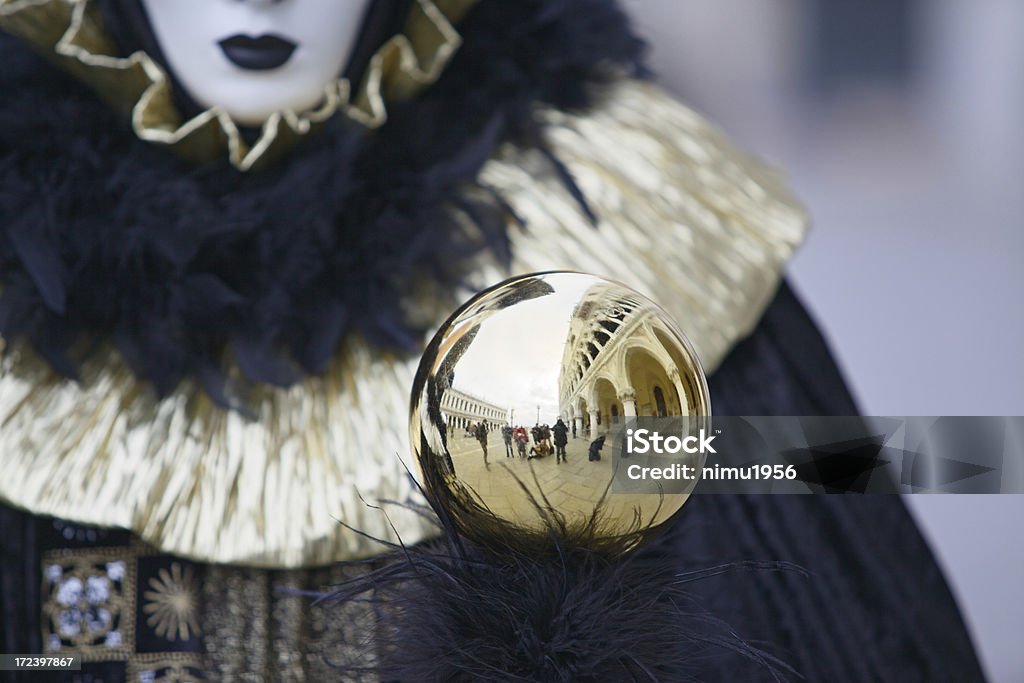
<point>71,33</point>
<point>684,218</point>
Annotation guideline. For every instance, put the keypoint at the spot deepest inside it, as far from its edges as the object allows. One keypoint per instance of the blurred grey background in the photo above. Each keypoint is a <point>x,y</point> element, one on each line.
<point>901,126</point>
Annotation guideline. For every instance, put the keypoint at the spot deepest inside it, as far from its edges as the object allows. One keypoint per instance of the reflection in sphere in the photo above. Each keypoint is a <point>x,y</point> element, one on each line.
<point>519,397</point>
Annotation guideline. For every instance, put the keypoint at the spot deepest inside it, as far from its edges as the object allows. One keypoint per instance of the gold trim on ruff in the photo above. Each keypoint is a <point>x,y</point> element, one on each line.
<point>684,218</point>
<point>70,32</point>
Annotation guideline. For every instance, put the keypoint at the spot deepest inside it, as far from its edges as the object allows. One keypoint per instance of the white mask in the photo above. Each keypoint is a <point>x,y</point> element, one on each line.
<point>256,57</point>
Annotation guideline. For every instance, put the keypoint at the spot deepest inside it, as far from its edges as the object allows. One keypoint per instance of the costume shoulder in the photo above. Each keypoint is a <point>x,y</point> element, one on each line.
<point>681,215</point>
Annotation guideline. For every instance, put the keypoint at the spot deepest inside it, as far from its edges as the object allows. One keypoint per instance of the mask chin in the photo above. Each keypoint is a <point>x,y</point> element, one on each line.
<point>250,95</point>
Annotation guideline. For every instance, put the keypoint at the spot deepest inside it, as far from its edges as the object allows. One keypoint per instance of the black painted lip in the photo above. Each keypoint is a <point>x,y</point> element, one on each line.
<point>258,53</point>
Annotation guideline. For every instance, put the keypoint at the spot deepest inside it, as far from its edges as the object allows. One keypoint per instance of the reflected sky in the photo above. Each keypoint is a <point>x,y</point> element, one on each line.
<point>532,334</point>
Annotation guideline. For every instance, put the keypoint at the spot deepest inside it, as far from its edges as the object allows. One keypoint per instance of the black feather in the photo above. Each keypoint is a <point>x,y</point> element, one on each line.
<point>452,611</point>
<point>103,236</point>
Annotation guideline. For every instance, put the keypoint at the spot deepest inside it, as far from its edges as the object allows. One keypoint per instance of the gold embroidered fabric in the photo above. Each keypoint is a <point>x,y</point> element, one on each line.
<point>88,603</point>
<point>171,604</point>
<point>257,626</point>
<point>684,218</point>
<point>165,619</point>
<point>70,32</point>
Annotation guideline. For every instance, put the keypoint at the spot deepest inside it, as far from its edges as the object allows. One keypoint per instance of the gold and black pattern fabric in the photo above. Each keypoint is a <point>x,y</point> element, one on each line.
<point>134,614</point>
<point>88,603</point>
<point>130,613</point>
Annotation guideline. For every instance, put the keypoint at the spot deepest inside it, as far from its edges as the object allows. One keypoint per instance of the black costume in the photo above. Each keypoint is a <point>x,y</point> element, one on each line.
<point>187,301</point>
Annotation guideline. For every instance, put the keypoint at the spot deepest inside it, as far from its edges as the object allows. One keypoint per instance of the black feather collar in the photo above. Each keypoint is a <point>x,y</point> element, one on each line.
<point>190,270</point>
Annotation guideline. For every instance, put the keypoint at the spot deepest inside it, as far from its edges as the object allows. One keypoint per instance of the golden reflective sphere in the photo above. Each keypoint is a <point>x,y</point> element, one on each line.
<point>520,390</point>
